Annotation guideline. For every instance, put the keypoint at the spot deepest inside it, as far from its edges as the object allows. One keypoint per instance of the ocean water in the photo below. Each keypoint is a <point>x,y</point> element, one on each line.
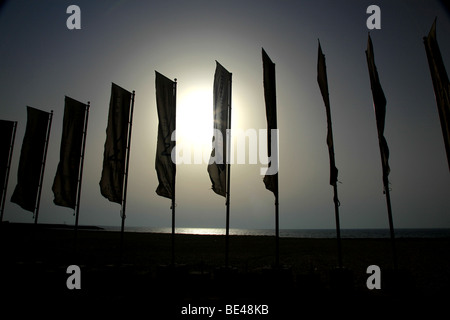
<point>300,233</point>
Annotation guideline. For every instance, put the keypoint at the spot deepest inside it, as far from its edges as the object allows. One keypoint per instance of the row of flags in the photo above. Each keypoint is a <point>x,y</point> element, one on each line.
<point>67,182</point>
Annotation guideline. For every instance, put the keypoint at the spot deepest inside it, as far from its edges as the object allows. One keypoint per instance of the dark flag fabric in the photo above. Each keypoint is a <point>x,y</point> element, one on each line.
<point>379,101</point>
<point>166,105</point>
<point>270,180</point>
<point>323,85</point>
<point>217,167</point>
<point>441,85</point>
<point>111,182</point>
<point>31,158</point>
<point>65,184</point>
<point>6,134</point>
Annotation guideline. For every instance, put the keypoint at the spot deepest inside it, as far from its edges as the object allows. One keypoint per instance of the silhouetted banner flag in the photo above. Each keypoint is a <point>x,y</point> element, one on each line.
<point>7,137</point>
<point>323,85</point>
<point>166,105</point>
<point>111,183</point>
<point>270,180</point>
<point>31,159</point>
<point>379,101</point>
<point>217,167</point>
<point>6,134</point>
<point>441,85</point>
<point>271,177</point>
<point>65,183</point>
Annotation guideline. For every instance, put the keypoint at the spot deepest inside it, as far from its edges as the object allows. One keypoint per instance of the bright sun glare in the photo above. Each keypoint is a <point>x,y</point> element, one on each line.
<point>195,120</point>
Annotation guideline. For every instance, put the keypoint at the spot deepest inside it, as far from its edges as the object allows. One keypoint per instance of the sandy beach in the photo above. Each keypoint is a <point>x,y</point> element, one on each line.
<point>140,274</point>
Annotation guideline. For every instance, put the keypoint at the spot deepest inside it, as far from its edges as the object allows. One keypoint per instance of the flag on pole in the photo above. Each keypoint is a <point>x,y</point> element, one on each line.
<point>379,101</point>
<point>65,184</point>
<point>323,85</point>
<point>6,134</point>
<point>7,137</point>
<point>166,105</point>
<point>270,180</point>
<point>111,183</point>
<point>217,167</point>
<point>31,158</point>
<point>441,85</point>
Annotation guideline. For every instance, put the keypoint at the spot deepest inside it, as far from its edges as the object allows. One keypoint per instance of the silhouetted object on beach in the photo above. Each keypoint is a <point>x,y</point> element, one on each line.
<point>7,137</point>
<point>116,156</point>
<point>67,183</point>
<point>379,101</point>
<point>166,103</point>
<point>271,179</point>
<point>219,164</point>
<point>30,174</point>
<point>323,85</point>
<point>440,83</point>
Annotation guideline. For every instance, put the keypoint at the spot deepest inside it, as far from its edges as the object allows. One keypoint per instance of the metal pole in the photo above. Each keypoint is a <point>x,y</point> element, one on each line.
<point>80,174</point>
<point>228,146</point>
<point>391,223</point>
<point>173,231</point>
<point>277,229</point>
<point>8,166</point>
<point>173,195</point>
<point>124,197</point>
<point>338,226</point>
<point>41,178</point>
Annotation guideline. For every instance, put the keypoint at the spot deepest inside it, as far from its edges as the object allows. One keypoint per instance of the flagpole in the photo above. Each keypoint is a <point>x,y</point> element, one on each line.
<point>124,196</point>
<point>80,174</point>
<point>277,229</point>
<point>380,111</point>
<point>8,166</point>
<point>173,195</point>
<point>41,178</point>
<point>338,225</point>
<point>228,177</point>
<point>391,223</point>
<point>323,85</point>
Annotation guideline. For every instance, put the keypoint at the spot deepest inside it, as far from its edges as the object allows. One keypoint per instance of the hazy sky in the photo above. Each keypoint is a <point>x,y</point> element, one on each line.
<point>124,42</point>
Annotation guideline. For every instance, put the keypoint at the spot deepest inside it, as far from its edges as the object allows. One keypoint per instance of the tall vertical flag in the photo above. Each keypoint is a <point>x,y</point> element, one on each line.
<point>217,167</point>
<point>114,156</point>
<point>271,178</point>
<point>166,168</point>
<point>32,160</point>
<point>65,185</point>
<point>323,85</point>
<point>166,105</point>
<point>440,83</point>
<point>7,136</point>
<point>219,163</point>
<point>270,97</point>
<point>379,101</point>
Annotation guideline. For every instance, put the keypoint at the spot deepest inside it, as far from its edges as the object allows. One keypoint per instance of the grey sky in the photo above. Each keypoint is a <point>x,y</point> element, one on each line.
<point>123,42</point>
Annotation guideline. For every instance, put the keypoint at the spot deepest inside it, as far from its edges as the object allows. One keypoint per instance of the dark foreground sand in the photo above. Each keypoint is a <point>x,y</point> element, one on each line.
<point>34,263</point>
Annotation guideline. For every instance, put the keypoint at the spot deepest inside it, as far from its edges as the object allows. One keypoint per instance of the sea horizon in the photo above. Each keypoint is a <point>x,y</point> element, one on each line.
<point>312,233</point>
<point>298,233</point>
